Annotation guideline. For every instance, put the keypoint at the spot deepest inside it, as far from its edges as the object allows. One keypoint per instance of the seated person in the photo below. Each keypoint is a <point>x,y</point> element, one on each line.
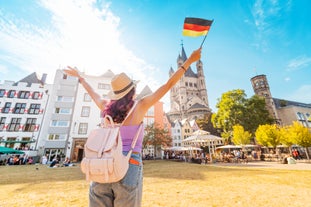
<point>54,163</point>
<point>291,160</point>
<point>67,162</point>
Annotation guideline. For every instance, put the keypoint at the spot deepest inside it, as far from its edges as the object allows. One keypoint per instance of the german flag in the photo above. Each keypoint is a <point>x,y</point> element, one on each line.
<point>195,27</point>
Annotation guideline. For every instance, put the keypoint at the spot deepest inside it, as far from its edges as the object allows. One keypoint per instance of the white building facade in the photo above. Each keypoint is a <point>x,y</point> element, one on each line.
<point>22,109</point>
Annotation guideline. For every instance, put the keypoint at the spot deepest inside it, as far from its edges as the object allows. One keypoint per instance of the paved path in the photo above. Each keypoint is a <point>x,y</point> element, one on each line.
<point>300,165</point>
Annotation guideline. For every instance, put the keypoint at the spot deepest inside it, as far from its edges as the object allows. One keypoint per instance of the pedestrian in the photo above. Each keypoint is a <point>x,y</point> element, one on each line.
<point>128,191</point>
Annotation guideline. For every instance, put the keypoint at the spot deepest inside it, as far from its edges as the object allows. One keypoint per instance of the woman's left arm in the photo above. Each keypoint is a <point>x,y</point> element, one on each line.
<point>100,102</point>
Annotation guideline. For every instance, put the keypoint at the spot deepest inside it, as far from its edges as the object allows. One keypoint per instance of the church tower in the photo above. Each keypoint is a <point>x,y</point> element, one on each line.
<point>261,88</point>
<point>188,98</point>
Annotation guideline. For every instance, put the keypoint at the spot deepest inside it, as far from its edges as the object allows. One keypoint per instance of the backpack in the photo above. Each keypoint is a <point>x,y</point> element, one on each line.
<point>104,161</point>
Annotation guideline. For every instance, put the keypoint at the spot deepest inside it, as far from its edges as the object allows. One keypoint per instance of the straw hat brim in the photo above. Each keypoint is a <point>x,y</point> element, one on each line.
<point>114,96</point>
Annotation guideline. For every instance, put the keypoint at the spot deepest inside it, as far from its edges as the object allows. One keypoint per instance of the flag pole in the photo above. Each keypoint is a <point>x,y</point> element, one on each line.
<point>203,40</point>
<point>206,35</point>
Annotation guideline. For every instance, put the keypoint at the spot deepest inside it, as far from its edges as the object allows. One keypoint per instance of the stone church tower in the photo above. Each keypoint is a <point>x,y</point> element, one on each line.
<point>262,89</point>
<point>188,98</point>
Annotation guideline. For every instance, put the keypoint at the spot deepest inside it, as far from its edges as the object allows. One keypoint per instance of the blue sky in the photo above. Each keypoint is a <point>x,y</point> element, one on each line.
<point>143,38</point>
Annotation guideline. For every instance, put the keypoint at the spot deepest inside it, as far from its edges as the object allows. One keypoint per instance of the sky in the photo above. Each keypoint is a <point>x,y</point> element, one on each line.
<point>143,38</point>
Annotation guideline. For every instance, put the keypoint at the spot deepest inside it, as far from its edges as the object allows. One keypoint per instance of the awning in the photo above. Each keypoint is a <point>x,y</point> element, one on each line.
<point>7,150</point>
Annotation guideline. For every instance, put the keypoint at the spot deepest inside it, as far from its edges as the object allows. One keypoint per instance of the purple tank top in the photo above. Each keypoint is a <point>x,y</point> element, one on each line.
<point>128,133</point>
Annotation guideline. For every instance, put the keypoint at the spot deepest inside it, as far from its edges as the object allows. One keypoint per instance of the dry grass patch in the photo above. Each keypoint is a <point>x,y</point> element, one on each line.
<point>170,184</point>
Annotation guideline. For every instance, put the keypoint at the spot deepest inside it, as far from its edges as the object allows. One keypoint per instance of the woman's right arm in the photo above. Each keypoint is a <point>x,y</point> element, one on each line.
<point>100,102</point>
<point>150,100</point>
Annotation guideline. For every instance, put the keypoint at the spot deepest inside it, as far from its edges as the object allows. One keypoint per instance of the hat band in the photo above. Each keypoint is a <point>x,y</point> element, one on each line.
<point>124,89</point>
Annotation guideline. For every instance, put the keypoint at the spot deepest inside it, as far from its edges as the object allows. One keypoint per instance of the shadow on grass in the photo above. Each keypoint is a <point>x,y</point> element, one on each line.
<point>38,173</point>
<point>34,174</point>
<point>190,171</point>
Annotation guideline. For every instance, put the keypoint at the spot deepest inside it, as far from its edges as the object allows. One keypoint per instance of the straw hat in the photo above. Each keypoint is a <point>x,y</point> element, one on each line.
<point>121,84</point>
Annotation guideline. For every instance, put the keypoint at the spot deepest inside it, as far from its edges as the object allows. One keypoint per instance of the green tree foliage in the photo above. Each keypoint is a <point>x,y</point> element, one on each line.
<point>255,114</point>
<point>240,137</point>
<point>268,135</point>
<point>235,109</point>
<point>230,110</point>
<point>157,137</point>
<point>207,125</point>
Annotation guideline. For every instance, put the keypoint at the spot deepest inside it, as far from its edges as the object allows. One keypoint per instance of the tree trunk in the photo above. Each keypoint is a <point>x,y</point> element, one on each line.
<point>307,153</point>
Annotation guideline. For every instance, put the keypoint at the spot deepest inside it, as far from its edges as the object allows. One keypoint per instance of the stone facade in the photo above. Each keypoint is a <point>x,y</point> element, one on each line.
<point>284,112</point>
<point>188,98</point>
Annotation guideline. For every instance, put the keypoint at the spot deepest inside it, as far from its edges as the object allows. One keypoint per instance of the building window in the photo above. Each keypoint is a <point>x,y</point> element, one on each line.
<point>62,111</point>
<point>195,85</point>
<point>2,92</point>
<point>150,112</point>
<point>87,97</point>
<point>30,125</point>
<point>65,76</point>
<point>83,128</point>
<point>34,109</point>
<point>23,94</point>
<point>35,95</point>
<point>300,116</point>
<point>65,98</point>
<point>19,108</point>
<point>103,86</point>
<point>14,125</point>
<point>57,137</point>
<point>11,94</point>
<point>6,108</point>
<point>59,123</point>
<point>85,111</point>
<point>2,123</point>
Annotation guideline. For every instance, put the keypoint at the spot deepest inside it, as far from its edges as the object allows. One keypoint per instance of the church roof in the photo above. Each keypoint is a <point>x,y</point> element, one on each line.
<point>146,91</point>
<point>108,74</point>
<point>197,106</point>
<point>183,57</point>
<point>33,78</point>
<point>279,103</point>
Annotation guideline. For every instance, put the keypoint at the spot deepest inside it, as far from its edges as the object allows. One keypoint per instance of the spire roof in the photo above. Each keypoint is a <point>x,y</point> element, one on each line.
<point>183,57</point>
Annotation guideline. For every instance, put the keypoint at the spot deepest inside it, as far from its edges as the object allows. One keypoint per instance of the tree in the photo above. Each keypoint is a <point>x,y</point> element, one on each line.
<point>300,136</point>
<point>235,109</point>
<point>240,137</point>
<point>207,125</point>
<point>230,110</point>
<point>268,135</point>
<point>256,114</point>
<point>156,137</point>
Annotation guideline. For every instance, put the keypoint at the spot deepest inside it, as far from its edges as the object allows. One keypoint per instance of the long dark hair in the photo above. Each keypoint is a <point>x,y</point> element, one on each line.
<point>118,109</point>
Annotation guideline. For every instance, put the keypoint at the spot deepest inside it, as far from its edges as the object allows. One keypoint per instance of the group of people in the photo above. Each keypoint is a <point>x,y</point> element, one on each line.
<point>19,160</point>
<point>56,163</point>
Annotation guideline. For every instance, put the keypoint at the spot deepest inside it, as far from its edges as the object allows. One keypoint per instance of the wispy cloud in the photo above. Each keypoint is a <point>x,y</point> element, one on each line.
<point>264,14</point>
<point>79,34</point>
<point>298,63</point>
<point>302,94</point>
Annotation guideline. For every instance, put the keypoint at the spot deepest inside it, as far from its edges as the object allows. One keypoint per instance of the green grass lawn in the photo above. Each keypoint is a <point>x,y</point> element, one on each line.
<point>166,184</point>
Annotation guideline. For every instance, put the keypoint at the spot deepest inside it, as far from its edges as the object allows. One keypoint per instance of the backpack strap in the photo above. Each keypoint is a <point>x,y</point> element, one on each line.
<point>134,141</point>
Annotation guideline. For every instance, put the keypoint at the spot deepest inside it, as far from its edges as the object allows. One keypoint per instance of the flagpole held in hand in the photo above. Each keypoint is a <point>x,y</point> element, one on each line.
<point>205,36</point>
<point>203,41</point>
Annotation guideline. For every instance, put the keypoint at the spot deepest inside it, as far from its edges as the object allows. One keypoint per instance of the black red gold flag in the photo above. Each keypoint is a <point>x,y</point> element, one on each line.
<point>195,27</point>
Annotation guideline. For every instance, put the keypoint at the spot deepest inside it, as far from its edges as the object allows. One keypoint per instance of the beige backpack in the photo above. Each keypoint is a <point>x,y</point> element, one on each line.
<point>104,161</point>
